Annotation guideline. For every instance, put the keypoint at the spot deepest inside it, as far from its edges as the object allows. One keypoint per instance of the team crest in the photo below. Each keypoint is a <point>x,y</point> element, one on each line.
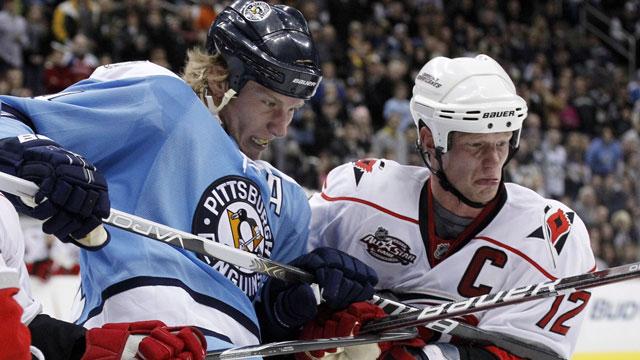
<point>556,227</point>
<point>387,248</point>
<point>231,212</point>
<point>361,167</point>
<point>256,11</point>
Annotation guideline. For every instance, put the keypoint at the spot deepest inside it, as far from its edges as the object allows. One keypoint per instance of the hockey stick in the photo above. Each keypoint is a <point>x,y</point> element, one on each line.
<point>516,295</point>
<point>250,261</point>
<point>296,346</point>
<point>152,230</point>
<point>474,335</point>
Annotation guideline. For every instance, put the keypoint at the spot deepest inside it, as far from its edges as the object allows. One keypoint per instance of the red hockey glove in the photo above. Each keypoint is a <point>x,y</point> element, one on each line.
<point>149,340</point>
<point>346,323</point>
<point>15,337</point>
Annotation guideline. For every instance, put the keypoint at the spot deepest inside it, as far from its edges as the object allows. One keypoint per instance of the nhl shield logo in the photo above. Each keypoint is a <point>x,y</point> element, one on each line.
<point>231,212</point>
<point>387,248</point>
<point>256,11</point>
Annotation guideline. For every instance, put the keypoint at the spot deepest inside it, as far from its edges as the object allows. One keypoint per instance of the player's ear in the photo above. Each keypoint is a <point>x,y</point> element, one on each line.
<point>426,139</point>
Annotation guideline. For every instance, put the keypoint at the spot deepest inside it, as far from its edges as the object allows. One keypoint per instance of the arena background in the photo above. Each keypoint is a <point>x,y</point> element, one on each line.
<point>573,61</point>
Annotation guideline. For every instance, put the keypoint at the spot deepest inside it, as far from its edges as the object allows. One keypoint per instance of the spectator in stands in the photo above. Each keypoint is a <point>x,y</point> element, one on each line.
<point>72,17</point>
<point>554,159</point>
<point>604,153</point>
<point>13,36</point>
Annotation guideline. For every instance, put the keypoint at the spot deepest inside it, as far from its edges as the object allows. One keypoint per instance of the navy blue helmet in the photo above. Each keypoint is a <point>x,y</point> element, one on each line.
<point>269,44</point>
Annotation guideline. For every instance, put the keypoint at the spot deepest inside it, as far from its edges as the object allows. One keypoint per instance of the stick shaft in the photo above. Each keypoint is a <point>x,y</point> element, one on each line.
<point>505,297</point>
<point>295,346</point>
<point>473,334</point>
<point>152,230</point>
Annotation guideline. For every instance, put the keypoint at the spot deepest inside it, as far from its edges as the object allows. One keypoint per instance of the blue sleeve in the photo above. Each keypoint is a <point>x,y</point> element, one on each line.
<point>10,126</point>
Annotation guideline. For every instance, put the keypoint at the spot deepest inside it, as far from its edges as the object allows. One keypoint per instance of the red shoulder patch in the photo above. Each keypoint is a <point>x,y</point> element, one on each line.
<point>365,166</point>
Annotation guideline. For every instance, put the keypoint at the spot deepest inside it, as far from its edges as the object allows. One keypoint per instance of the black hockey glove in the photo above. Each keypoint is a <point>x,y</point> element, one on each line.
<point>73,194</point>
<point>342,278</point>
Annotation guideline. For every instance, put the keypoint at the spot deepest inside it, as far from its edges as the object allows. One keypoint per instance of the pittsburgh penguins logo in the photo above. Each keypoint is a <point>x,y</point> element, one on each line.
<point>256,11</point>
<point>231,211</point>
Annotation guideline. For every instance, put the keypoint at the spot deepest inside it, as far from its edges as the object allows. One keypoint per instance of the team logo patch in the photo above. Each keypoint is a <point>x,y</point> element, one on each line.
<point>556,227</point>
<point>387,248</point>
<point>363,166</point>
<point>232,212</point>
<point>256,11</point>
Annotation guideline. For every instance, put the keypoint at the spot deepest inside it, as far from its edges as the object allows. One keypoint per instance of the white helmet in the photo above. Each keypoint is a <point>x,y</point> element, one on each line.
<point>472,95</point>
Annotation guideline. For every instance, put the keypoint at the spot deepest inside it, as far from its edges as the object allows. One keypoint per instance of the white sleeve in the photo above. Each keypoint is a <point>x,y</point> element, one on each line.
<point>12,257</point>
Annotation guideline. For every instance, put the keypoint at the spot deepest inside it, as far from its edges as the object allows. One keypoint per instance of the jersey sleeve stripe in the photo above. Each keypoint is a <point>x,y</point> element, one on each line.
<point>368,203</point>
<point>205,300</point>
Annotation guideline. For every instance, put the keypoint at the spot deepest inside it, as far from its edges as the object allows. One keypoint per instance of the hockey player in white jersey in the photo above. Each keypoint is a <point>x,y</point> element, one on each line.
<point>165,157</point>
<point>455,229</point>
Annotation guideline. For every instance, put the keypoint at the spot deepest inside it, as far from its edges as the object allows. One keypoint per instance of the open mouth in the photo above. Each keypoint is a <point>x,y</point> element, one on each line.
<point>260,142</point>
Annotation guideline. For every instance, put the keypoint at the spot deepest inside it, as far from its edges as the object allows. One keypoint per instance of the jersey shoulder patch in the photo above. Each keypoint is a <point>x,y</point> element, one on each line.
<point>560,233</point>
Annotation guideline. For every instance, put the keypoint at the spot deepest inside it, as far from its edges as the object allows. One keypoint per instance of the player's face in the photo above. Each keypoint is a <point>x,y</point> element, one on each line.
<point>474,163</point>
<point>257,116</point>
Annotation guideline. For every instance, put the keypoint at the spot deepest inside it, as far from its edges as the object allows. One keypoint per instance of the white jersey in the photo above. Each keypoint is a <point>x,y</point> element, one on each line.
<point>12,259</point>
<point>380,212</point>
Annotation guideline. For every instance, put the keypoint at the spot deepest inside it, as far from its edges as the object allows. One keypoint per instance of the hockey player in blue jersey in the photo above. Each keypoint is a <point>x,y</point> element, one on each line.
<point>143,131</point>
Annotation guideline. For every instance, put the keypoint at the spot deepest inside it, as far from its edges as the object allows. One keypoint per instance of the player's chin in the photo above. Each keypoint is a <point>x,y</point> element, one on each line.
<point>485,193</point>
<point>253,151</point>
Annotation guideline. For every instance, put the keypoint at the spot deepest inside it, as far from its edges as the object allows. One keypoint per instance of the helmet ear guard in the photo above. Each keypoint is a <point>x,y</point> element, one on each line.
<point>269,44</point>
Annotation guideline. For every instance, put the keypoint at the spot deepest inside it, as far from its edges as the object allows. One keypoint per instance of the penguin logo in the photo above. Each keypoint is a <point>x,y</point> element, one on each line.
<point>231,211</point>
<point>244,230</point>
<point>256,11</point>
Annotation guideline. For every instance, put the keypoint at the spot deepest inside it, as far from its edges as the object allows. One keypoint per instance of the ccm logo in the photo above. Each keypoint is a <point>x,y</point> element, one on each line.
<point>495,114</point>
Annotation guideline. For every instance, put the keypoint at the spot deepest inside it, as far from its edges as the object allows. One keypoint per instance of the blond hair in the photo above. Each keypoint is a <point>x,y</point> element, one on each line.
<point>200,64</point>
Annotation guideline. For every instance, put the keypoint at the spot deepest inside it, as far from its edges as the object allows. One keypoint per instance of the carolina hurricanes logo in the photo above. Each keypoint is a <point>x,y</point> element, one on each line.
<point>556,227</point>
<point>387,248</point>
<point>365,166</point>
<point>231,212</point>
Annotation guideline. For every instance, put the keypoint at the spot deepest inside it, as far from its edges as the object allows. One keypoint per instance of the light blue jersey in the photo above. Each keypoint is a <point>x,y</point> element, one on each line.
<point>168,160</point>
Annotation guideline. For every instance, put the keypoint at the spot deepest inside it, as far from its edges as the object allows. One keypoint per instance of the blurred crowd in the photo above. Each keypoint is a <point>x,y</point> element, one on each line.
<point>580,143</point>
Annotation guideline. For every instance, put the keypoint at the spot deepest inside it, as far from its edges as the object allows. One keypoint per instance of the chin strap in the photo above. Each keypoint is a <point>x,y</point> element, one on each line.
<point>208,100</point>
<point>444,182</point>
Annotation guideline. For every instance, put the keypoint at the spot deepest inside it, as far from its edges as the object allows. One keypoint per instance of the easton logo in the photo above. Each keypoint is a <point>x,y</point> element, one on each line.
<point>495,114</point>
<point>231,212</point>
<point>304,82</point>
<point>387,248</point>
<point>429,79</point>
